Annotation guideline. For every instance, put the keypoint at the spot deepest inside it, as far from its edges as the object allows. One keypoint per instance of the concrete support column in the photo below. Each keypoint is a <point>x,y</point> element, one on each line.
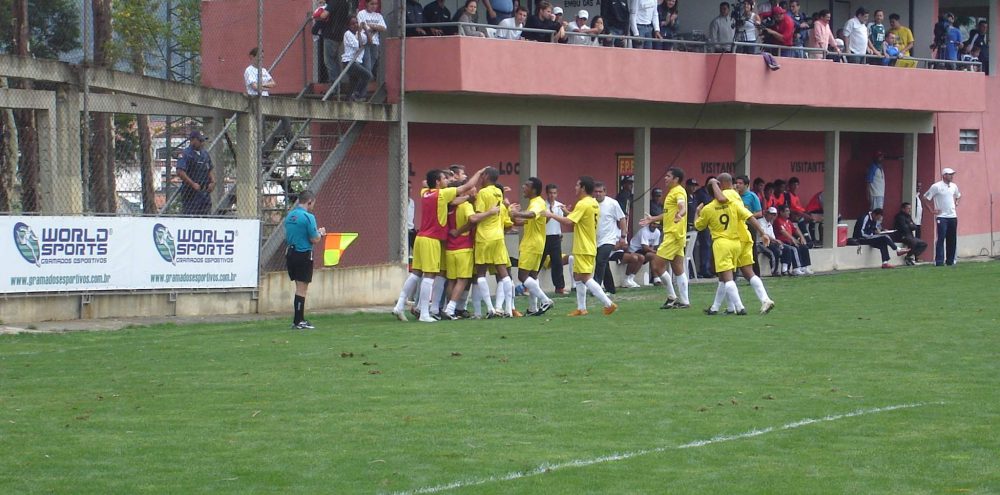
<point>399,191</point>
<point>909,168</point>
<point>528,157</point>
<point>643,185</point>
<point>247,166</point>
<point>831,189</point>
<point>741,152</point>
<point>59,154</point>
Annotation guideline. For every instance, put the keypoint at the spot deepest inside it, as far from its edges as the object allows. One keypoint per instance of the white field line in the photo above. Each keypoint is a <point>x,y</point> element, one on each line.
<point>621,456</point>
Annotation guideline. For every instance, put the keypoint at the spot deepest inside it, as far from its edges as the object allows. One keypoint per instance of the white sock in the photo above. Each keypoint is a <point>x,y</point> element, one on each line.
<point>500,297</point>
<point>424,303</point>
<point>569,260</point>
<point>720,295</point>
<point>581,295</point>
<point>598,292</point>
<point>438,294</point>
<point>668,284</point>
<point>682,288</point>
<point>733,292</point>
<point>468,295</point>
<point>412,281</point>
<point>758,288</point>
<point>532,304</point>
<point>484,293</point>
<point>450,309</point>
<point>508,291</point>
<point>476,299</point>
<point>784,267</point>
<point>535,290</point>
<point>629,279</point>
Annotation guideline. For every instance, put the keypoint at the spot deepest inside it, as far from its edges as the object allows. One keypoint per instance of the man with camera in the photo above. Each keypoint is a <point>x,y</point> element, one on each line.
<point>779,29</point>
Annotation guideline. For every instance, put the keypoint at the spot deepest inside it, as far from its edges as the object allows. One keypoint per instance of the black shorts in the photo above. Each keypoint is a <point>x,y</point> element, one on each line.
<point>300,265</point>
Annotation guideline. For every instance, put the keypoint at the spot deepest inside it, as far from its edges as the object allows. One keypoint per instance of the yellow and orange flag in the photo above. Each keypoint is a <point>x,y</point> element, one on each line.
<point>334,246</point>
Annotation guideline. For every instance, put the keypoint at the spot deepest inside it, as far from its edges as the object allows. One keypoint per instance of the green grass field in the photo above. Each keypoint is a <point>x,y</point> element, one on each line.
<point>619,404</point>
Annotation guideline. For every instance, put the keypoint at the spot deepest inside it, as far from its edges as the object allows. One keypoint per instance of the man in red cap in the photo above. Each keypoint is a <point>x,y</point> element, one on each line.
<point>876,182</point>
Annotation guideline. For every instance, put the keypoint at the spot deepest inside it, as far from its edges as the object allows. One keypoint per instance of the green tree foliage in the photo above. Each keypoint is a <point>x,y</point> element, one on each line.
<point>55,27</point>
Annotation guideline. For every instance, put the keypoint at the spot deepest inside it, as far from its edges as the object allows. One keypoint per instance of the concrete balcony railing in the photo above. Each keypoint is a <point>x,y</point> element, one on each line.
<point>497,67</point>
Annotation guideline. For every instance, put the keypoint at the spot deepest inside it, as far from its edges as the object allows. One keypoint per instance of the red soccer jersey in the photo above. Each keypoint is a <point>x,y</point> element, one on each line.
<point>782,225</point>
<point>457,218</point>
<point>434,212</point>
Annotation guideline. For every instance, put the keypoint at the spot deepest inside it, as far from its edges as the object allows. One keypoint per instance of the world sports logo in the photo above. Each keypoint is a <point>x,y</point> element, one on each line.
<point>165,244</point>
<point>27,244</point>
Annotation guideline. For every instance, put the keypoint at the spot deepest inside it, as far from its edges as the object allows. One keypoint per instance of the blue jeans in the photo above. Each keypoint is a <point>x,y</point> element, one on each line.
<point>644,32</point>
<point>360,76</point>
<point>947,232</point>
<point>371,58</point>
<point>617,32</point>
<point>331,58</point>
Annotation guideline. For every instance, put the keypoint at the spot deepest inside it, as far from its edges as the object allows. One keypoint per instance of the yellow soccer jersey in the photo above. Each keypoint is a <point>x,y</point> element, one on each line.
<point>491,227</point>
<point>505,217</point>
<point>671,204</point>
<point>534,228</point>
<point>724,221</point>
<point>584,217</point>
<point>734,198</point>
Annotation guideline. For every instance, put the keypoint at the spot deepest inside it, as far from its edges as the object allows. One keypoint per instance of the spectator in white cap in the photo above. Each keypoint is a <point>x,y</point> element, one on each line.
<point>578,32</point>
<point>942,200</point>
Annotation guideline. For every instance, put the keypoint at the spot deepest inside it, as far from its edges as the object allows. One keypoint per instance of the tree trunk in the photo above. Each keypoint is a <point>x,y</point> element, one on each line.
<point>102,177</point>
<point>27,133</point>
<point>8,155</point>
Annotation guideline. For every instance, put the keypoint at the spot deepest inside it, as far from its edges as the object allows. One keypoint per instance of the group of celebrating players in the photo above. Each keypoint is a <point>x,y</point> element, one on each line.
<point>461,239</point>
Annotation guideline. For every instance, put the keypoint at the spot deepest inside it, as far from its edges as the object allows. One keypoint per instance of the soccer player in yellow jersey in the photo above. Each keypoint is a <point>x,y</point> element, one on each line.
<point>529,260</point>
<point>428,249</point>
<point>722,189</point>
<point>671,250</point>
<point>727,222</point>
<point>459,265</point>
<point>583,218</point>
<point>490,250</point>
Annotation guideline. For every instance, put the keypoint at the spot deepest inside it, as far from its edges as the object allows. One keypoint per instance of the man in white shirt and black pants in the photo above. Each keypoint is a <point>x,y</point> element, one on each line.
<point>611,228</point>
<point>942,200</point>
<point>553,238</point>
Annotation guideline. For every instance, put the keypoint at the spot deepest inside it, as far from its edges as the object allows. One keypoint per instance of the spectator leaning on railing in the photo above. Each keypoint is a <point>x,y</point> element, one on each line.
<point>498,10</point>
<point>904,39</point>
<point>721,31</point>
<point>856,37</point>
<point>513,25</point>
<point>436,11</point>
<point>977,46</point>
<point>822,36</point>
<point>782,32</point>
<point>415,15</point>
<point>616,18</point>
<point>543,19</point>
<point>468,14</point>
<point>373,24</point>
<point>669,25</point>
<point>579,32</point>
<point>876,36</point>
<point>644,22</point>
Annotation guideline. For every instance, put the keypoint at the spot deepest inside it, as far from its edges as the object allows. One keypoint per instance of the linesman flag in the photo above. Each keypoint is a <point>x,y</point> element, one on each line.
<point>334,246</point>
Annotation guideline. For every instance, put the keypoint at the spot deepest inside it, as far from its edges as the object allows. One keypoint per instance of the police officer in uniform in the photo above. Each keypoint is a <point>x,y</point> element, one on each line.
<point>197,177</point>
<point>300,235</point>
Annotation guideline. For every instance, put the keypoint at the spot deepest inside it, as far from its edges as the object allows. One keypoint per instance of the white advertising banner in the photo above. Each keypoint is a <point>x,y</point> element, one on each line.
<point>59,254</point>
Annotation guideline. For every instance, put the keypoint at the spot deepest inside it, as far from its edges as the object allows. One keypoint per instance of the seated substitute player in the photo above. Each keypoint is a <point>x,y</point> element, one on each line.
<point>641,250</point>
<point>428,249</point>
<point>725,221</point>
<point>868,232</point>
<point>583,218</point>
<point>671,249</point>
<point>532,244</point>
<point>723,191</point>
<point>458,259</point>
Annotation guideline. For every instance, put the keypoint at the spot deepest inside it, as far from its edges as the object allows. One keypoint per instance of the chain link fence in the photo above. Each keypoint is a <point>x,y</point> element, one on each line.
<point>81,138</point>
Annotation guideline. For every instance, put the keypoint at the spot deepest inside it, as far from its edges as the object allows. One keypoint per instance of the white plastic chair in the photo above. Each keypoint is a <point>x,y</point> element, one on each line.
<point>692,270</point>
